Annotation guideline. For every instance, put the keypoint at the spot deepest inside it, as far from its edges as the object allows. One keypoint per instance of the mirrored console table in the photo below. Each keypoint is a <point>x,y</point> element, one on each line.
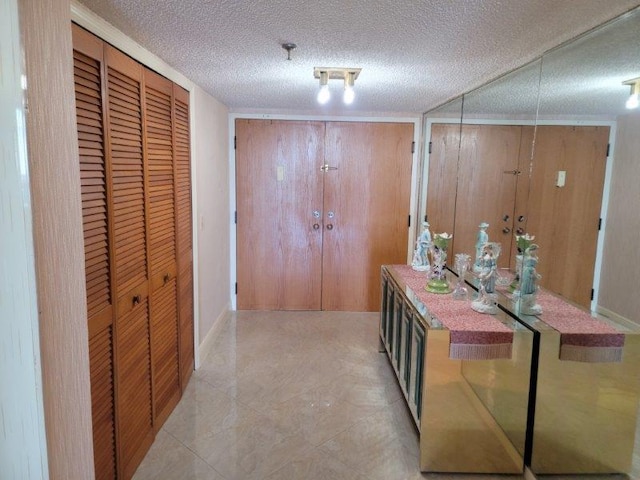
<point>493,393</point>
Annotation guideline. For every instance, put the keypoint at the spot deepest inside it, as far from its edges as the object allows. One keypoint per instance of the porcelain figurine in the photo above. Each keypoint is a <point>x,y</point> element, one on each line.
<point>481,239</point>
<point>487,298</point>
<point>421,254</point>
<point>522,243</point>
<point>529,282</point>
<point>438,282</point>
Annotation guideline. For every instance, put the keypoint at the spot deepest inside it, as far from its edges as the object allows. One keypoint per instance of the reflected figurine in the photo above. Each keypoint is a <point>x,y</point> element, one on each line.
<point>529,282</point>
<point>420,260</point>
<point>481,239</point>
<point>486,301</point>
<point>438,280</point>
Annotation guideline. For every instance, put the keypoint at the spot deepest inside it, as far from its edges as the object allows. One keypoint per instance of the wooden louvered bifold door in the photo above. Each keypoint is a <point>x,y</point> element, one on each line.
<point>134,165</point>
<point>87,67</point>
<point>133,349</point>
<point>162,244</point>
<point>182,162</point>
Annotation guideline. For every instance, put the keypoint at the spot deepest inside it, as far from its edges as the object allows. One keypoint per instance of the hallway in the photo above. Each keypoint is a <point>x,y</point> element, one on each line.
<point>294,395</point>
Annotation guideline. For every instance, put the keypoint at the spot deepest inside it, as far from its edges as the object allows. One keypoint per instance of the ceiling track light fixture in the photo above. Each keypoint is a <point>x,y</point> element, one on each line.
<point>634,100</point>
<point>348,75</point>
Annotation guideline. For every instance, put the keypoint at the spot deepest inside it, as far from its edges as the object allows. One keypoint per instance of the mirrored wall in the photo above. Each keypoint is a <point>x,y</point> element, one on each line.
<point>536,152</point>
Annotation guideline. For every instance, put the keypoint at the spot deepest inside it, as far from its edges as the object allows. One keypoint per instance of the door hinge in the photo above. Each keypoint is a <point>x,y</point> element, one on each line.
<point>608,149</point>
<point>592,293</point>
<point>236,288</point>
<point>599,224</point>
<point>235,217</point>
<point>413,147</point>
<point>430,146</point>
<point>409,221</point>
<point>235,142</point>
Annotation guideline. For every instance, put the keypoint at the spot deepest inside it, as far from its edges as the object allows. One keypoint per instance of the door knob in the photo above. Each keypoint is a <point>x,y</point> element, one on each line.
<point>521,218</point>
<point>316,226</point>
<point>505,218</point>
<point>331,214</point>
<point>506,230</point>
<point>316,214</point>
<point>520,230</point>
<point>137,299</point>
<point>166,278</point>
<point>330,226</point>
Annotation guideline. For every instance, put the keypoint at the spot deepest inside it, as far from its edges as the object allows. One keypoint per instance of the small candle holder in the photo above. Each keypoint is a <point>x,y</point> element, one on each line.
<point>462,265</point>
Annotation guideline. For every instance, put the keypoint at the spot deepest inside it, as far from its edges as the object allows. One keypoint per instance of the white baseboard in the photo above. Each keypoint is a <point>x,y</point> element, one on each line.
<point>206,344</point>
<point>614,316</point>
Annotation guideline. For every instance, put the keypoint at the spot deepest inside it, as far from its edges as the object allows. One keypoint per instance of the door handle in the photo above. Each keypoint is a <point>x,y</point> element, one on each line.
<point>520,230</point>
<point>330,226</point>
<point>316,214</point>
<point>136,299</point>
<point>506,230</point>
<point>326,168</point>
<point>316,226</point>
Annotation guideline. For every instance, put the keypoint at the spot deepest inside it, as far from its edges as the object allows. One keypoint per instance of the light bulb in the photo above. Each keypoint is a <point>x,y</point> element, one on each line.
<point>632,102</point>
<point>323,94</point>
<point>349,95</point>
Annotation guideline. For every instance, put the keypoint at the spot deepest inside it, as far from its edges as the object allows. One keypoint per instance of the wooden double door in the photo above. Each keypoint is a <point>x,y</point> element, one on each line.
<point>320,207</point>
<point>489,173</point>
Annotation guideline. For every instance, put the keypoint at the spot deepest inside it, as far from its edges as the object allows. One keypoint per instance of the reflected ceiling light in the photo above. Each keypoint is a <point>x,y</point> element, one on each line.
<point>323,94</point>
<point>633,100</point>
<point>348,75</point>
<point>349,94</point>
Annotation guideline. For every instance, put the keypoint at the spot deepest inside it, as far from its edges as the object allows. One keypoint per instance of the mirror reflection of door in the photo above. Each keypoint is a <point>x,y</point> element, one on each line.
<point>320,206</point>
<point>481,181</point>
<point>490,168</point>
<point>565,215</point>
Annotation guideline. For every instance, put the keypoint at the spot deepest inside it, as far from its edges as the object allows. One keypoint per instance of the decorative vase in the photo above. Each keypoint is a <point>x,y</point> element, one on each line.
<point>462,264</point>
<point>438,282</point>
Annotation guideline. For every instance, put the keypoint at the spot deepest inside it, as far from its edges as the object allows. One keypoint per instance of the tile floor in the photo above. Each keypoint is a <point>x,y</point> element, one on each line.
<point>291,395</point>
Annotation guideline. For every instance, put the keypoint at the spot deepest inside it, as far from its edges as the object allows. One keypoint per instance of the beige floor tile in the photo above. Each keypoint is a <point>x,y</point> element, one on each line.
<point>316,415</point>
<point>317,465</point>
<point>168,459</point>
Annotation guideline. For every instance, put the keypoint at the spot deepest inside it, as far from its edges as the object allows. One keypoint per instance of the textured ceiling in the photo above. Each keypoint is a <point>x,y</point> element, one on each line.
<point>414,55</point>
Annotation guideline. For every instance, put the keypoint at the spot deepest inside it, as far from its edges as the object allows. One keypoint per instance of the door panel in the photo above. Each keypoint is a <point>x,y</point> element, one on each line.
<point>565,219</point>
<point>133,362</point>
<point>95,189</point>
<point>279,186</point>
<point>184,225</point>
<point>369,193</point>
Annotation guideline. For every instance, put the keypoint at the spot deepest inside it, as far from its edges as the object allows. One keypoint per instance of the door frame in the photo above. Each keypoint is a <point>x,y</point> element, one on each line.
<point>604,206</point>
<point>413,201</point>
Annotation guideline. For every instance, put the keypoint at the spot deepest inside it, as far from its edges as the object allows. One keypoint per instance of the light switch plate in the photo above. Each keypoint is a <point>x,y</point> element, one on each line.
<point>561,178</point>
